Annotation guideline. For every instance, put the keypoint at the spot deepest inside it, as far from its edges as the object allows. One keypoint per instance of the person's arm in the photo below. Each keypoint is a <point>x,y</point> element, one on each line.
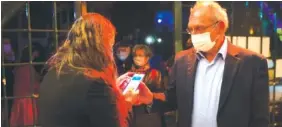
<point>170,93</point>
<point>159,89</point>
<point>101,105</point>
<point>260,96</point>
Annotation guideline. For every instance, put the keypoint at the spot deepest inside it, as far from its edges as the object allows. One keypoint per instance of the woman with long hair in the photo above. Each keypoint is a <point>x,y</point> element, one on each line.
<point>80,89</point>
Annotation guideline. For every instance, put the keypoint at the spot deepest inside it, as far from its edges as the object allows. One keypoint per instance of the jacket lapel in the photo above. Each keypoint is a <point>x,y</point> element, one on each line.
<point>230,69</point>
<point>190,75</point>
<point>191,72</point>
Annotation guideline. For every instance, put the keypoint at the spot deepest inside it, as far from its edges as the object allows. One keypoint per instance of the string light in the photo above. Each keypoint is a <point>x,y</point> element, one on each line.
<point>251,32</point>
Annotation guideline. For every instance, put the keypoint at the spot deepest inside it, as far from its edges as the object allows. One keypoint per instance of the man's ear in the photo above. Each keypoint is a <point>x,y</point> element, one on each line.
<point>222,26</point>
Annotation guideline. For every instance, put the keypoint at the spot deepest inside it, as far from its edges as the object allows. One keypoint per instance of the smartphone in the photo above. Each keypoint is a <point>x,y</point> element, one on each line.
<point>134,82</point>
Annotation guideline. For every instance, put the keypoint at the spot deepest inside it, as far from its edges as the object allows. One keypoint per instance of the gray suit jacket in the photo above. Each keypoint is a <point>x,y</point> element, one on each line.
<point>244,94</point>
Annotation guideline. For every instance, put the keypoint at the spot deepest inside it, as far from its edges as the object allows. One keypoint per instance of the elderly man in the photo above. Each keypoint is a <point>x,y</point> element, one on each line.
<point>215,83</point>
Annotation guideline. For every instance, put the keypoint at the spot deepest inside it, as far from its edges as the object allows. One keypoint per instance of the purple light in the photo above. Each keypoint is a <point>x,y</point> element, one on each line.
<point>279,25</point>
<point>272,16</point>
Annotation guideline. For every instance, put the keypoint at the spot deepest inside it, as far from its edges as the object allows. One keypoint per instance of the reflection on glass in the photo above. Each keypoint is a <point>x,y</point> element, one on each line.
<point>278,93</point>
<point>270,63</point>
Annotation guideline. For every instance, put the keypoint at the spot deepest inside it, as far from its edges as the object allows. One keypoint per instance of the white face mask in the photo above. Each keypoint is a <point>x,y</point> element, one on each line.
<point>139,61</point>
<point>202,42</point>
<point>123,56</point>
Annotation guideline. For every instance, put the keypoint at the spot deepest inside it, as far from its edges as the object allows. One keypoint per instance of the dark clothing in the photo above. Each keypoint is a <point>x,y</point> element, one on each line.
<point>148,120</point>
<point>150,115</point>
<point>124,66</point>
<point>244,92</point>
<point>7,73</point>
<point>156,62</point>
<point>73,100</point>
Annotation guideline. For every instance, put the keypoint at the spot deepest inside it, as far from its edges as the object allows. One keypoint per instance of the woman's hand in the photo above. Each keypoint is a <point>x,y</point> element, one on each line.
<point>124,77</point>
<point>131,96</point>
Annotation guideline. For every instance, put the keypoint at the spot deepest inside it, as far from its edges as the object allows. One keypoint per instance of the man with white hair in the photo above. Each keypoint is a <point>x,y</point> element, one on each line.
<point>215,83</point>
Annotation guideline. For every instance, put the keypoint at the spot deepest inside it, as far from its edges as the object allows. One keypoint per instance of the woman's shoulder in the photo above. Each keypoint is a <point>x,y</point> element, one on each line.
<point>70,75</point>
<point>73,80</point>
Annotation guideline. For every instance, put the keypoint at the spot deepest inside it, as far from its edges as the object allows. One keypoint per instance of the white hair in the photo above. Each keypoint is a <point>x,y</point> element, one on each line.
<point>215,9</point>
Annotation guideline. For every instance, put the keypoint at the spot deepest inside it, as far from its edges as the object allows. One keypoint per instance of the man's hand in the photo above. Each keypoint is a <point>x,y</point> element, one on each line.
<point>145,95</point>
<point>159,96</point>
<point>131,96</point>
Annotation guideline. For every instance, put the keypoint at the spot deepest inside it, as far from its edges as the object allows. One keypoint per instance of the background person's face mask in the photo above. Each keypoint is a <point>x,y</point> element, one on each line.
<point>202,42</point>
<point>123,56</point>
<point>139,61</point>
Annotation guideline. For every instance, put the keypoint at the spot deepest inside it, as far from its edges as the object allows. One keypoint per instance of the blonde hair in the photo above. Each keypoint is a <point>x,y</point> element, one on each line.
<point>88,45</point>
<point>218,11</point>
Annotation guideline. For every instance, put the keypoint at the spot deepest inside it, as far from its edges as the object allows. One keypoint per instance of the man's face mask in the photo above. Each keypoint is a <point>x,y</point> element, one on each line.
<point>123,56</point>
<point>203,42</point>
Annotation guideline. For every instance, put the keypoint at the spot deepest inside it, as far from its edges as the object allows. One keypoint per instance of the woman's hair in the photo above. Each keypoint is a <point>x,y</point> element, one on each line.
<point>88,45</point>
<point>88,48</point>
<point>145,48</point>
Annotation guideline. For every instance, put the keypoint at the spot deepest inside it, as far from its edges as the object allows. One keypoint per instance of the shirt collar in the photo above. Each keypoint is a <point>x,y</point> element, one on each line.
<point>222,51</point>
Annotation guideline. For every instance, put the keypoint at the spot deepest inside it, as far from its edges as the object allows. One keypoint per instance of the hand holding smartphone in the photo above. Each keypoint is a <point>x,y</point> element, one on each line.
<point>134,82</point>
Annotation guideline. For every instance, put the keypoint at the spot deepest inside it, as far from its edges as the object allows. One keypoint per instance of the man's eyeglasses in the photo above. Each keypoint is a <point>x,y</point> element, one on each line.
<point>199,29</point>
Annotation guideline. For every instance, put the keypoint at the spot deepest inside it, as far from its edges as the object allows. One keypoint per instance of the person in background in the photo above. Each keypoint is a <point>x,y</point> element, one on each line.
<point>41,58</point>
<point>7,78</point>
<point>81,88</point>
<point>9,54</point>
<point>123,57</point>
<point>27,79</point>
<point>148,115</point>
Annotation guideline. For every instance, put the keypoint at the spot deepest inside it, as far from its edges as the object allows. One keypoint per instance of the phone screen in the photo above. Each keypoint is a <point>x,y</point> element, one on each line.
<point>134,82</point>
